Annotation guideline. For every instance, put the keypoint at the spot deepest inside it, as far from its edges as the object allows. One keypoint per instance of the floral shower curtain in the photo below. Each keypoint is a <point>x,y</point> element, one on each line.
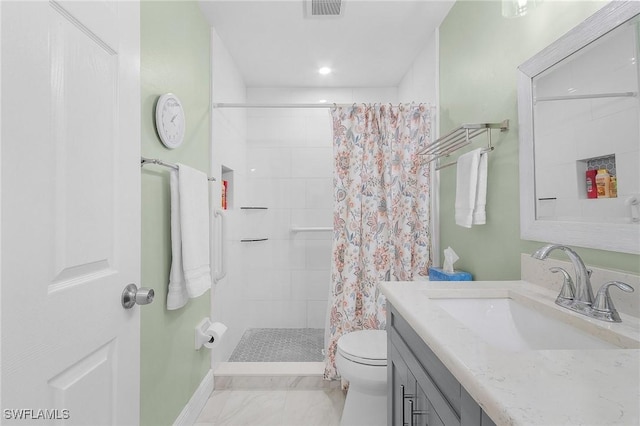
<point>381,212</point>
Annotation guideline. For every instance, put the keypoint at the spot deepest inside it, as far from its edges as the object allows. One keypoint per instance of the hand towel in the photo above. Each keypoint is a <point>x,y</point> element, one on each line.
<point>479,212</point>
<point>190,273</point>
<point>466,187</point>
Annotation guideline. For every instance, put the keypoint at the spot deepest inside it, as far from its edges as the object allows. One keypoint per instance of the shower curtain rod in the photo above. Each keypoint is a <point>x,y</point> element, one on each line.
<point>258,105</point>
<point>265,105</point>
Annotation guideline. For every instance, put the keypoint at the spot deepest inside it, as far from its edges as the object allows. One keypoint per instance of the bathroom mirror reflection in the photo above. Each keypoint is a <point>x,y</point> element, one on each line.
<point>579,114</point>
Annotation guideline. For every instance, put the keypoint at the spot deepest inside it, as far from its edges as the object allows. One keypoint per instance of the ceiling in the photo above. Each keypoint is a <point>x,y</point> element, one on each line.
<point>372,44</point>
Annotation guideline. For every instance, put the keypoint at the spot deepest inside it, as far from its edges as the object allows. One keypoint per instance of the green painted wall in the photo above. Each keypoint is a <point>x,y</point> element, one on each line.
<point>479,54</point>
<point>175,57</point>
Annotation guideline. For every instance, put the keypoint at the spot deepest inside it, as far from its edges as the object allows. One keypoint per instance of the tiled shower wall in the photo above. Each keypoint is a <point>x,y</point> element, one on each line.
<point>289,170</point>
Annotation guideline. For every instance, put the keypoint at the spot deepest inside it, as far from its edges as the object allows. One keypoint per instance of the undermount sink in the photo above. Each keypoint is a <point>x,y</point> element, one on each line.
<point>509,325</point>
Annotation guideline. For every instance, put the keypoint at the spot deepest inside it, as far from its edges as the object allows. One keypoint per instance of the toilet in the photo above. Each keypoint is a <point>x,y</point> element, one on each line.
<point>361,359</point>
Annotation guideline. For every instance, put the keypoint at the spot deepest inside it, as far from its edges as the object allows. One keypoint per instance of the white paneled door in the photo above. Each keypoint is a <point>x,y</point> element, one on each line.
<point>70,211</point>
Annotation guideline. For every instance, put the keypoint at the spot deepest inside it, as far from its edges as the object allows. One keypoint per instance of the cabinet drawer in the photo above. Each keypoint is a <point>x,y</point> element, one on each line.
<point>443,379</point>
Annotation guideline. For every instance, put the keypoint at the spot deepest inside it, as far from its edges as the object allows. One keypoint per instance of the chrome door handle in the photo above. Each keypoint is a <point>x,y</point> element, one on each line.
<point>133,295</point>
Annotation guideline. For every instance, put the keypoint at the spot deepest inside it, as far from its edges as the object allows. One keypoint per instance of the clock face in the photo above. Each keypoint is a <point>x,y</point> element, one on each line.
<point>170,120</point>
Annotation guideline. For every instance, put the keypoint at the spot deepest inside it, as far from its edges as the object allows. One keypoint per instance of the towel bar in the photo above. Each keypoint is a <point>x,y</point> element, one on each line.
<point>144,161</point>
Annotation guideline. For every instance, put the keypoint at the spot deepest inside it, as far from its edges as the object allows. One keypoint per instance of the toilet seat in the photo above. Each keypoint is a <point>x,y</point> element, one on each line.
<point>367,347</point>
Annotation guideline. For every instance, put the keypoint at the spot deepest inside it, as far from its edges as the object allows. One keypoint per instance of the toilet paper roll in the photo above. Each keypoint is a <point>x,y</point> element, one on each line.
<point>214,334</point>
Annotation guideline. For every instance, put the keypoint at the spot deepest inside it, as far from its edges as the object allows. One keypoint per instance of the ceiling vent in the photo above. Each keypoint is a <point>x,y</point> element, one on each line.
<point>320,8</point>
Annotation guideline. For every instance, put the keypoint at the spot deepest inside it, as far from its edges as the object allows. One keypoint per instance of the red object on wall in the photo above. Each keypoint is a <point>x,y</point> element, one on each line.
<point>224,193</point>
<point>592,191</point>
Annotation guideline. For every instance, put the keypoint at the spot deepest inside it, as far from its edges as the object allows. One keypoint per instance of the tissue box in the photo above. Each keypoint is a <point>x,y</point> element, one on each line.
<point>437,274</point>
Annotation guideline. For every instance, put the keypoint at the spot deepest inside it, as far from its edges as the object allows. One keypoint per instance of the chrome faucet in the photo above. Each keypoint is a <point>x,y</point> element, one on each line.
<point>584,292</point>
<point>580,299</point>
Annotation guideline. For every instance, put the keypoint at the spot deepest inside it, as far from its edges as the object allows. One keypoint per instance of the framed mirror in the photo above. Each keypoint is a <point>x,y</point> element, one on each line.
<point>579,118</point>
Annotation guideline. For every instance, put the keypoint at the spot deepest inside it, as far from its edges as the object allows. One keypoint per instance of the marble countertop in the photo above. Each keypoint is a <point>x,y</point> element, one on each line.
<point>532,387</point>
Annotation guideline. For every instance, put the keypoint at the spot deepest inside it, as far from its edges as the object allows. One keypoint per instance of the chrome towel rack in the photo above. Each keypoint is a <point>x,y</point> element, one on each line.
<point>144,161</point>
<point>458,138</point>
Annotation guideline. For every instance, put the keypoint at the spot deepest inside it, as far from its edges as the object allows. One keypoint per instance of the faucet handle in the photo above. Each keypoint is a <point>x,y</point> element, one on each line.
<point>603,305</point>
<point>568,290</point>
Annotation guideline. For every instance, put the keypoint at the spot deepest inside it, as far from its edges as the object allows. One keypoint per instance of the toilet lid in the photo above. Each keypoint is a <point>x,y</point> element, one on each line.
<point>364,346</point>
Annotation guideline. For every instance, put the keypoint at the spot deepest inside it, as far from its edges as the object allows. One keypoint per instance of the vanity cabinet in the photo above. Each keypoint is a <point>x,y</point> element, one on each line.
<point>423,392</point>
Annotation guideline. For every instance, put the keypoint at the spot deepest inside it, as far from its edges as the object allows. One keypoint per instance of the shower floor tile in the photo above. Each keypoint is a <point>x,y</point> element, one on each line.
<point>280,345</point>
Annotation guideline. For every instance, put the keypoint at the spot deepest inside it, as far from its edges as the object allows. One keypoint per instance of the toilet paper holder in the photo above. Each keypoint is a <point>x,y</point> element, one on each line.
<point>207,333</point>
<point>201,336</point>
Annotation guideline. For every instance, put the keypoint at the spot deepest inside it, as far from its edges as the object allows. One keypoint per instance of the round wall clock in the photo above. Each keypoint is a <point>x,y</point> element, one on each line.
<point>170,120</point>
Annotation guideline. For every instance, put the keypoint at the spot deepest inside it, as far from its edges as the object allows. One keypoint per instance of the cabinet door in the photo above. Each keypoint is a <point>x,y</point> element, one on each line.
<point>420,381</point>
<point>403,387</point>
<point>410,405</point>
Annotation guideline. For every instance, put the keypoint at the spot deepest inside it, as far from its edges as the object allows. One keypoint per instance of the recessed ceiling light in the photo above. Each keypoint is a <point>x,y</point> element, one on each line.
<point>324,70</point>
<point>322,101</point>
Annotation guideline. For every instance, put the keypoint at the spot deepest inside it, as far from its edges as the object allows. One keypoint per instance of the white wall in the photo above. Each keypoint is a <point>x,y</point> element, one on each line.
<point>229,150</point>
<point>420,83</point>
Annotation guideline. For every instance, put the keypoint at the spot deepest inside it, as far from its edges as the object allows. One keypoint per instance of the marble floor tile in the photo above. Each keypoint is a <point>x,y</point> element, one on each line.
<point>253,408</point>
<point>313,407</point>
<point>213,407</point>
<point>294,407</point>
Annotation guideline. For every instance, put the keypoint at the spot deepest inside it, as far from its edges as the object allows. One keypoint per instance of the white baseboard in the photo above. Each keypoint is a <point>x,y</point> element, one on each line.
<point>192,410</point>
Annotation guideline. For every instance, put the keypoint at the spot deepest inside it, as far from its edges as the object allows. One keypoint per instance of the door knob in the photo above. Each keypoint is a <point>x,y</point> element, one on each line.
<point>133,295</point>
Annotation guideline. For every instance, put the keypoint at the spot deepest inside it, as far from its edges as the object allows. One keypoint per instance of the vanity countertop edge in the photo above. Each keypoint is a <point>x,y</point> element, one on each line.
<point>537,387</point>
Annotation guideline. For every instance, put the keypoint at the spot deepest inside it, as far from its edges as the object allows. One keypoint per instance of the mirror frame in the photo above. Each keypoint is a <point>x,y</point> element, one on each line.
<point>612,237</point>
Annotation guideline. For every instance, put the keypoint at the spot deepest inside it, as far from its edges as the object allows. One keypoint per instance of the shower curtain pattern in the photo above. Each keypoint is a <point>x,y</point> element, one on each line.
<point>381,212</point>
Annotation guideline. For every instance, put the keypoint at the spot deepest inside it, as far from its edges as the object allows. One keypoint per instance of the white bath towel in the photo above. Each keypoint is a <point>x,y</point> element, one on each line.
<point>479,212</point>
<point>471,189</point>
<point>190,274</point>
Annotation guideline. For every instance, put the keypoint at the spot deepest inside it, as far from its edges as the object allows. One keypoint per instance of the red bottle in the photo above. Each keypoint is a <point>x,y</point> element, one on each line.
<point>592,190</point>
<point>224,189</point>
